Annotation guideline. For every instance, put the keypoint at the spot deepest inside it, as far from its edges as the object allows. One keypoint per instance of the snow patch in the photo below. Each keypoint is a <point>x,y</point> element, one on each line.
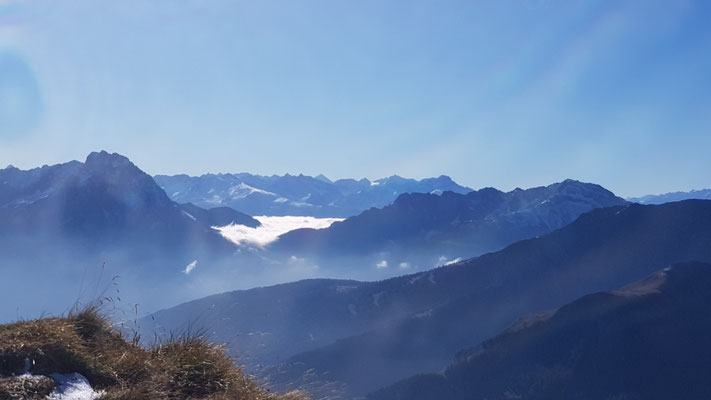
<point>456,260</point>
<point>29,377</point>
<point>73,387</point>
<point>243,190</point>
<point>444,261</point>
<point>214,200</point>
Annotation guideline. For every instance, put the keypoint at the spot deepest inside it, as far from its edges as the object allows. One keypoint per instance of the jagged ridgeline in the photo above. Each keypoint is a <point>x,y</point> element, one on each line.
<point>36,356</point>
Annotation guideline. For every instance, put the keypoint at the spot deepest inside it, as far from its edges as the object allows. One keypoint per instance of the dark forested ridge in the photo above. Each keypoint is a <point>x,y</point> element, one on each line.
<point>648,340</point>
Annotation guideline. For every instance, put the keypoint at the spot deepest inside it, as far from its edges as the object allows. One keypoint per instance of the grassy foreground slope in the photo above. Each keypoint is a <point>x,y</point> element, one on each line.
<point>85,342</point>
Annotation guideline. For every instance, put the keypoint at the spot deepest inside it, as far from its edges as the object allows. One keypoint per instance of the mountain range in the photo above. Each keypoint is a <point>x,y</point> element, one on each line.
<point>702,194</point>
<point>105,210</point>
<point>422,230</point>
<point>351,338</point>
<point>298,195</point>
<point>523,252</point>
<point>648,340</point>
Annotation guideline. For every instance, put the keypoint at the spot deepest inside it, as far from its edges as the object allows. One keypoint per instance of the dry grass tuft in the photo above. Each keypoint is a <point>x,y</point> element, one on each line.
<point>26,388</point>
<point>186,367</point>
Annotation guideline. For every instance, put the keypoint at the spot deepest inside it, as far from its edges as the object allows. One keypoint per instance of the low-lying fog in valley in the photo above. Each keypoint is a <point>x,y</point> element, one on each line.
<point>271,228</point>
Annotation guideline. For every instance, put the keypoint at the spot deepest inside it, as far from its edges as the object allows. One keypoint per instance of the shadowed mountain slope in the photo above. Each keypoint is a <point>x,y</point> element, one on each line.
<point>363,336</point>
<point>219,216</point>
<point>425,230</point>
<point>477,220</point>
<point>67,227</point>
<point>105,202</point>
<point>647,341</point>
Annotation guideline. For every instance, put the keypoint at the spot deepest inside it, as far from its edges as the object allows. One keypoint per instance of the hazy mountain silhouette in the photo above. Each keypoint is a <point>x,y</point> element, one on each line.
<point>360,336</point>
<point>703,194</point>
<point>429,229</point>
<point>648,341</point>
<point>62,225</point>
<point>106,209</point>
<point>219,216</point>
<point>105,202</point>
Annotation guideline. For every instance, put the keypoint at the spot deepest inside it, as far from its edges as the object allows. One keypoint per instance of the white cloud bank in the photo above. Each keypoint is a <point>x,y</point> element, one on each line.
<point>271,229</point>
<point>382,264</point>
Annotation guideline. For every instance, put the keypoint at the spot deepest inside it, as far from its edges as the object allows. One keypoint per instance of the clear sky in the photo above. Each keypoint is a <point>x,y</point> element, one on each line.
<point>500,93</point>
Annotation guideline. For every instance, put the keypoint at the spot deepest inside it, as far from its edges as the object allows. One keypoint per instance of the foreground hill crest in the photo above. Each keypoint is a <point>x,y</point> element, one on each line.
<point>35,355</point>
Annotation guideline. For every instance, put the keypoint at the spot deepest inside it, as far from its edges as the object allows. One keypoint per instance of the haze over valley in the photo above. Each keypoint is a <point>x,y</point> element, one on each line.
<point>339,200</point>
<point>426,266</point>
<point>106,218</point>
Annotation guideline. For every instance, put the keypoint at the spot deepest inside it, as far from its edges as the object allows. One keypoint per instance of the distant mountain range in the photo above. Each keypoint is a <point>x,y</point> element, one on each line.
<point>351,338</point>
<point>423,228</point>
<point>297,195</point>
<point>341,338</point>
<point>703,194</point>
<point>413,232</point>
<point>648,340</point>
<point>107,210</point>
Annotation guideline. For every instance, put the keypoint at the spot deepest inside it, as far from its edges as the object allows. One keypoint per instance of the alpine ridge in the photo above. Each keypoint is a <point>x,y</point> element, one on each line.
<point>644,341</point>
<point>415,323</point>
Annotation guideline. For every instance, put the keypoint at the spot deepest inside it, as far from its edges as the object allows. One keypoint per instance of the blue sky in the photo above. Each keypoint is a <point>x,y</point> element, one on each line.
<point>500,93</point>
